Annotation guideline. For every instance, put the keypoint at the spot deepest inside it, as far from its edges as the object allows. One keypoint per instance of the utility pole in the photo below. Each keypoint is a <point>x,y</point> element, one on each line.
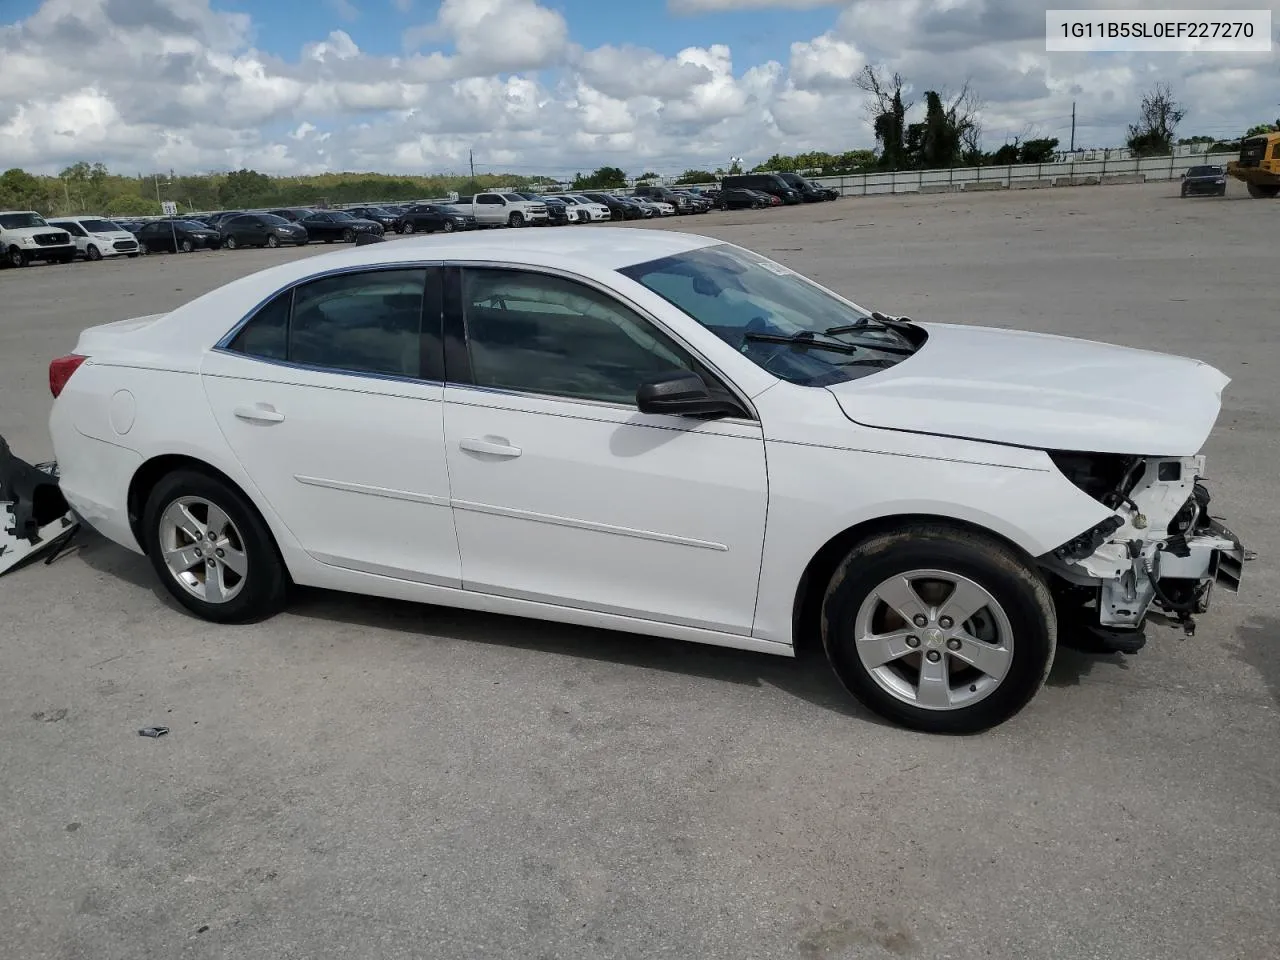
<point>1073,126</point>
<point>471,156</point>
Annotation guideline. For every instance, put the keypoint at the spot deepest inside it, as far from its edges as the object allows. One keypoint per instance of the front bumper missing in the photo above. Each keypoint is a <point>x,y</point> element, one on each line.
<point>34,516</point>
<point>1141,566</point>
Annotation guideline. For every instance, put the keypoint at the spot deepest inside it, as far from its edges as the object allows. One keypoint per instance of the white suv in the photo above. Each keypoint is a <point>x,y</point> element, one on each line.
<point>97,237</point>
<point>26,236</point>
<point>595,211</point>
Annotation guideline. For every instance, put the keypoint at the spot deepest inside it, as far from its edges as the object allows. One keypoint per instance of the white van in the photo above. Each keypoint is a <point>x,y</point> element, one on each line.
<point>98,237</point>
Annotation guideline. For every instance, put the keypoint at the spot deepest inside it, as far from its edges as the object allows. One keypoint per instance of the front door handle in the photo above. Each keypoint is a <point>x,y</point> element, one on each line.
<point>497,447</point>
<point>258,413</point>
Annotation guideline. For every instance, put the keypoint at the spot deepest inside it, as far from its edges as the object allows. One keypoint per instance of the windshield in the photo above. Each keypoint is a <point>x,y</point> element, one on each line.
<point>513,197</point>
<point>11,221</point>
<point>752,303</point>
<point>1204,171</point>
<point>189,225</point>
<point>340,215</point>
<point>100,226</point>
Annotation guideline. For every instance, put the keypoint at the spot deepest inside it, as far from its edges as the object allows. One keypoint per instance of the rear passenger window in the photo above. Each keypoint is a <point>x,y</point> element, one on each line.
<point>356,322</point>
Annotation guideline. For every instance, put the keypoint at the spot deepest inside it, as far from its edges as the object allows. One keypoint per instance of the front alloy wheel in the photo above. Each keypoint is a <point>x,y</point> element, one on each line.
<point>448,226</point>
<point>92,253</point>
<point>939,629</point>
<point>348,235</point>
<point>272,242</point>
<point>230,243</point>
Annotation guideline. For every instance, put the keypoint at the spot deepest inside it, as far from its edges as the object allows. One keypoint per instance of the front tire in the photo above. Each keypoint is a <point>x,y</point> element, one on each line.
<point>939,629</point>
<point>92,253</point>
<point>188,246</point>
<point>448,226</point>
<point>229,243</point>
<point>211,549</point>
<point>516,220</point>
<point>272,242</point>
<point>348,236</point>
<point>1261,191</point>
<point>16,257</point>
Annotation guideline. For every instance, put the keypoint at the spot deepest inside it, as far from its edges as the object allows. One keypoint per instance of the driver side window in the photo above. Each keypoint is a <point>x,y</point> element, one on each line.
<point>542,334</point>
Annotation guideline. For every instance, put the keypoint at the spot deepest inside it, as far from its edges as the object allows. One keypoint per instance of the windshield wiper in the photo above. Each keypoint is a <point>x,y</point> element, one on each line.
<point>807,338</point>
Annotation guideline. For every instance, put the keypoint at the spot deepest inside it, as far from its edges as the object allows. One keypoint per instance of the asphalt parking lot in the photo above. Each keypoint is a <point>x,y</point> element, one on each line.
<point>362,778</point>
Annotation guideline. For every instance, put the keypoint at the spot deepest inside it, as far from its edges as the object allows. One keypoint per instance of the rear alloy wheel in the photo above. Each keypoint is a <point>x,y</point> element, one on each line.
<point>229,243</point>
<point>348,235</point>
<point>516,220</point>
<point>272,242</point>
<point>939,629</point>
<point>92,253</point>
<point>211,550</point>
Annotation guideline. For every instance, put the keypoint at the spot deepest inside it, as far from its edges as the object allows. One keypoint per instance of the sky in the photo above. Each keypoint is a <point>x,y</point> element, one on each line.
<point>557,87</point>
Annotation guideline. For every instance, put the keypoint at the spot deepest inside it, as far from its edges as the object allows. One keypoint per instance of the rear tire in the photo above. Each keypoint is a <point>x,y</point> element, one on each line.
<point>259,592</point>
<point>407,228</point>
<point>1013,633</point>
<point>229,243</point>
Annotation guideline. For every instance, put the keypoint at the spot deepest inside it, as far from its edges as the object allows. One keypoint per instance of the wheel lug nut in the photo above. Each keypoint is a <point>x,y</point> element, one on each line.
<point>198,552</point>
<point>934,656</point>
<point>913,642</point>
<point>953,644</point>
<point>920,620</point>
<point>220,553</point>
<point>946,623</point>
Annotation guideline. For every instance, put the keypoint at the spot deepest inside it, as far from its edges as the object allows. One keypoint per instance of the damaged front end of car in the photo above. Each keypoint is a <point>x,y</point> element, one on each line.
<point>1160,550</point>
<point>34,516</point>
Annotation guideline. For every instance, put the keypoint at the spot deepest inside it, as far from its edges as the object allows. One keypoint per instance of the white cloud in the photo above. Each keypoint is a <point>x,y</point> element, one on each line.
<point>139,84</point>
<point>720,6</point>
<point>345,9</point>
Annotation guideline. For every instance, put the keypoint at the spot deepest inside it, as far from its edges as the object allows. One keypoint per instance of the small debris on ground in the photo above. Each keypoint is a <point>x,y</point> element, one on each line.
<point>153,731</point>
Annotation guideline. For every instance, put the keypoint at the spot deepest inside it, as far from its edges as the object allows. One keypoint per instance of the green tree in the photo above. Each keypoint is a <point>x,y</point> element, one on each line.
<point>648,175</point>
<point>20,190</point>
<point>696,176</point>
<point>1158,119</point>
<point>131,205</point>
<point>1262,128</point>
<point>604,178</point>
<point>244,188</point>
<point>1041,150</point>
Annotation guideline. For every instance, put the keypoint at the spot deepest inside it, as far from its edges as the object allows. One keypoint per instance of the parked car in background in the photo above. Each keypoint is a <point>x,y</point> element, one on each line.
<point>620,208</point>
<point>647,207</point>
<point>810,192</point>
<point>177,236</point>
<point>98,237</point>
<point>682,202</point>
<point>1205,180</point>
<point>390,219</point>
<point>293,214</point>
<point>430,217</point>
<point>25,236</point>
<point>766,183</point>
<point>740,198</point>
<point>557,210</point>
<point>331,225</point>
<point>699,204</point>
<point>503,209</point>
<point>261,230</point>
<point>594,212</point>
<point>214,219</point>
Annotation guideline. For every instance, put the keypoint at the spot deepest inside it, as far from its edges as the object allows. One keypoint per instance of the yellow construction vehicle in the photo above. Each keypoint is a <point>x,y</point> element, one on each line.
<point>1259,164</point>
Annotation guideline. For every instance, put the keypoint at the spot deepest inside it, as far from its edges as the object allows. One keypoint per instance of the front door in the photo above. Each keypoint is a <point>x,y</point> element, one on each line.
<point>331,398</point>
<point>563,492</point>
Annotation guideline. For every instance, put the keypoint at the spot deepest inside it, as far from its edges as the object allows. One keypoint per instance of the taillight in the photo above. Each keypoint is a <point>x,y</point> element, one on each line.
<point>60,371</point>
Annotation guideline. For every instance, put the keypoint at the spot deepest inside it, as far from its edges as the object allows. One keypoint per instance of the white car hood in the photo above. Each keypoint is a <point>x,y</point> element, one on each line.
<point>1042,391</point>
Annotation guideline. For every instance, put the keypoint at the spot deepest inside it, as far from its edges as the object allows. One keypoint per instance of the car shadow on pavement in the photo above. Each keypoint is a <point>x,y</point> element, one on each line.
<point>807,676</point>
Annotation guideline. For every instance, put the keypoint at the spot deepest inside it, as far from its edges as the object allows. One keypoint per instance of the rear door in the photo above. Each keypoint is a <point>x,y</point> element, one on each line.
<point>331,398</point>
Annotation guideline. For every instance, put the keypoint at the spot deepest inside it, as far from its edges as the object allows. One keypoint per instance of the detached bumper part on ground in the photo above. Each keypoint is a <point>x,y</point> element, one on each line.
<point>34,516</point>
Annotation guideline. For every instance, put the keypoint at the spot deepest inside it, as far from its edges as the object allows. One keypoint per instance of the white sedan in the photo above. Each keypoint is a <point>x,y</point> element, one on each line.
<point>657,433</point>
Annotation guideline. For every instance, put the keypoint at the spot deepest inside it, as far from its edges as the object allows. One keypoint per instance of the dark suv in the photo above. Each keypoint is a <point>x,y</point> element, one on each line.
<point>809,191</point>
<point>683,204</point>
<point>765,183</point>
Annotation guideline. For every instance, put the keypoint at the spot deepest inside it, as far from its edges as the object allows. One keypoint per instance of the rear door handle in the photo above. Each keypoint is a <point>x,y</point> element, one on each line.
<point>258,413</point>
<point>494,448</point>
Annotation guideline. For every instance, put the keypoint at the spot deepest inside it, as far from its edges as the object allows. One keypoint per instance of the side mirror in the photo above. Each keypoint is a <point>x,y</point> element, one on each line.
<point>681,393</point>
